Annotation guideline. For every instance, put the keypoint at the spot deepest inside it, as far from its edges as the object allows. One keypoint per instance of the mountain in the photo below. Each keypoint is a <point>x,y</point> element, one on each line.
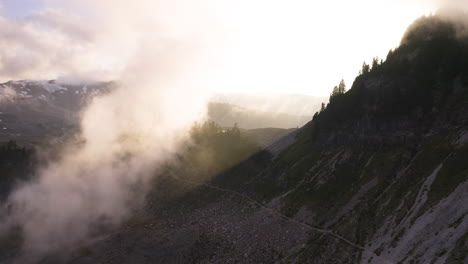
<point>226,115</point>
<point>292,104</point>
<point>379,176</point>
<point>33,111</point>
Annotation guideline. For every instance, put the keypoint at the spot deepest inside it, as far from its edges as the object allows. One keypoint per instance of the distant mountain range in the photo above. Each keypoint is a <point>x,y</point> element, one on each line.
<point>31,111</point>
<point>227,114</point>
<point>291,104</point>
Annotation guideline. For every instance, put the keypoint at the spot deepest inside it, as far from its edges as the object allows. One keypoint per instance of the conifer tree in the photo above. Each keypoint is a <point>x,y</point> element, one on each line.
<point>341,87</point>
<point>365,68</point>
<point>375,62</point>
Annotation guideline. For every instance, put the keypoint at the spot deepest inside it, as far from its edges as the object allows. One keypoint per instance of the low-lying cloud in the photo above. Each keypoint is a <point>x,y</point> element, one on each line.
<point>160,58</point>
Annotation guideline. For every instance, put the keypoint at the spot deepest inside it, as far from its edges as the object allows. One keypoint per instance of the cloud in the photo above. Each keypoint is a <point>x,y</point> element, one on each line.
<point>457,14</point>
<point>35,48</point>
<point>162,57</point>
<point>95,39</point>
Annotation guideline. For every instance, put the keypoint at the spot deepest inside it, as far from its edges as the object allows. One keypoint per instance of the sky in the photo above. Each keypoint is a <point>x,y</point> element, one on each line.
<point>255,46</point>
<point>19,8</point>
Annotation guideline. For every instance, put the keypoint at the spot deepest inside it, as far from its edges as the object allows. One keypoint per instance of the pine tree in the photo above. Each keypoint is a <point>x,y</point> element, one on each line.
<point>337,90</point>
<point>365,68</point>
<point>341,87</point>
<point>375,62</point>
<point>334,92</point>
<point>235,130</point>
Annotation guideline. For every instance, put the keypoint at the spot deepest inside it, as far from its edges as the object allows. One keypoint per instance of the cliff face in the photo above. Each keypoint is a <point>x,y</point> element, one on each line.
<point>380,176</point>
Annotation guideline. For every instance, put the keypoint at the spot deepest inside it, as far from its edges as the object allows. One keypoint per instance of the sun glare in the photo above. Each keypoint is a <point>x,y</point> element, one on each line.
<point>305,46</point>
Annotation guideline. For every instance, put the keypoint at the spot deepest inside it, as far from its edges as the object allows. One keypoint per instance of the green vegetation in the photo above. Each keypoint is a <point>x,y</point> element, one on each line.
<point>214,150</point>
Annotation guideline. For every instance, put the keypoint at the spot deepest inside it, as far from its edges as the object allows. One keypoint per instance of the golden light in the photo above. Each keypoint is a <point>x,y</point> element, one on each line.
<point>300,46</point>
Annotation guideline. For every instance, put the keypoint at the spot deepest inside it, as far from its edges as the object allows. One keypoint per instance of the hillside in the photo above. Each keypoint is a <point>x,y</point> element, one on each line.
<point>265,137</point>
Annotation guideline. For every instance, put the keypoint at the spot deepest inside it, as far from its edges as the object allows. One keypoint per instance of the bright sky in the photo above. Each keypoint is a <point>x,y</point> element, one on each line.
<point>296,46</point>
<point>303,46</point>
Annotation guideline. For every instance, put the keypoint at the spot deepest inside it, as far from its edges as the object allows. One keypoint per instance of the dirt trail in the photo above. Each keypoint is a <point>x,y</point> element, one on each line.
<point>308,226</point>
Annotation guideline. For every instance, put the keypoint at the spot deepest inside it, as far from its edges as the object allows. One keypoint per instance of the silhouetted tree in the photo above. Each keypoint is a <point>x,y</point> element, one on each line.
<point>334,92</point>
<point>338,90</point>
<point>375,62</point>
<point>341,87</point>
<point>235,130</point>
<point>365,68</point>
<point>214,150</point>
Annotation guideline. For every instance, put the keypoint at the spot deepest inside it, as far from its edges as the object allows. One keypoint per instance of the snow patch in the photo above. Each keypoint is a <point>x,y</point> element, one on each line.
<point>46,85</point>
